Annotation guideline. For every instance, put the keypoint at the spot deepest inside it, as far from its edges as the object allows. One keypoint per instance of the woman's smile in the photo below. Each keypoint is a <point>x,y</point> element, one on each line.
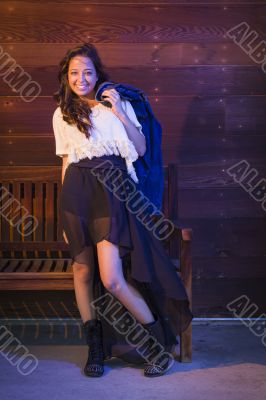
<point>82,76</point>
<point>82,87</point>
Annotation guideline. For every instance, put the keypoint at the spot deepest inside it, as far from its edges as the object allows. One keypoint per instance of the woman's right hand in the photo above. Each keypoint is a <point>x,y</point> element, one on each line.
<point>65,238</point>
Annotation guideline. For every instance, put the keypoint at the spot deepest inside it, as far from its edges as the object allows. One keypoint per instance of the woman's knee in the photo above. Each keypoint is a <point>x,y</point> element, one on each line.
<point>110,267</point>
<point>114,285</point>
<point>83,272</point>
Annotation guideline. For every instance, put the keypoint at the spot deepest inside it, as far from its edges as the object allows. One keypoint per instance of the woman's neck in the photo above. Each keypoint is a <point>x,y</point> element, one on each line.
<point>92,103</point>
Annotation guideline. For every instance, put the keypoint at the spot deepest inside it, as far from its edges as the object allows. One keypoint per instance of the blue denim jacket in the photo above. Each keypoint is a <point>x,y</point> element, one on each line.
<point>149,167</point>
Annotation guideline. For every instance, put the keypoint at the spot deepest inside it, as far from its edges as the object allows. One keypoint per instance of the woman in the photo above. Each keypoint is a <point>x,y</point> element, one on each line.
<point>130,298</point>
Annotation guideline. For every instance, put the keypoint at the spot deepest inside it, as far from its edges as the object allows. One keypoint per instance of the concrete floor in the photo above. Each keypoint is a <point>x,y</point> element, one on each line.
<point>228,363</point>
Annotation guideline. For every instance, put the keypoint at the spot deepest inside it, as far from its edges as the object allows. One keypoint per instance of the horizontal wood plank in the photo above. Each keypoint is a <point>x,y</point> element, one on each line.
<point>154,80</point>
<point>229,267</point>
<point>166,55</point>
<point>127,23</point>
<point>30,150</point>
<point>228,237</point>
<point>211,296</point>
<point>192,115</point>
<point>167,2</point>
<point>196,176</point>
<point>191,176</point>
<point>213,203</point>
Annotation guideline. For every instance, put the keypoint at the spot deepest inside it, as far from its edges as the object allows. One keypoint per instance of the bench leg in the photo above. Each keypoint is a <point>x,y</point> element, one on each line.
<point>186,275</point>
<point>186,345</point>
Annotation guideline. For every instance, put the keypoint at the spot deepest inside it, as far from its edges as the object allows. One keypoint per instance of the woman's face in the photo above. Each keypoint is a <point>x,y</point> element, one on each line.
<point>82,76</point>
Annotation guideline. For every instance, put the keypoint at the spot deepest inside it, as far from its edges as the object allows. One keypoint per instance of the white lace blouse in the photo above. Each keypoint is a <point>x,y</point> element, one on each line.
<point>108,136</point>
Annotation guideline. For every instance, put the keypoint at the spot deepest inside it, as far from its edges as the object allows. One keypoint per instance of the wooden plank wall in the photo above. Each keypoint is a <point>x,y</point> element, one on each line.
<point>207,93</point>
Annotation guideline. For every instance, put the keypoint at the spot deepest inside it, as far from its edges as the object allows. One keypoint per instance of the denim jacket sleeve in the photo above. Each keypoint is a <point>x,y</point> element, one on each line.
<point>149,167</point>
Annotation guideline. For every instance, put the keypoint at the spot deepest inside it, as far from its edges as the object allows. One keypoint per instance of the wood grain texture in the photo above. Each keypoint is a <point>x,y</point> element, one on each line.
<point>207,93</point>
<point>228,238</point>
<point>160,82</point>
<point>29,150</point>
<point>113,23</point>
<point>119,55</point>
<point>192,115</point>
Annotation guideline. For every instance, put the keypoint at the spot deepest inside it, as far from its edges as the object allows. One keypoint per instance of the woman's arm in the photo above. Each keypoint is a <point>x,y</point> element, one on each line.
<point>64,157</point>
<point>133,133</point>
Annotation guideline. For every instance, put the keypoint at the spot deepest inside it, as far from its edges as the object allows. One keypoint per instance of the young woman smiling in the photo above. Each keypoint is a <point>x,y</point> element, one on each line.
<point>112,252</point>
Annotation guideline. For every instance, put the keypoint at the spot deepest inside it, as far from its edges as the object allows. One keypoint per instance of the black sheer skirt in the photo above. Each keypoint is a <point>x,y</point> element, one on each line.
<point>92,211</point>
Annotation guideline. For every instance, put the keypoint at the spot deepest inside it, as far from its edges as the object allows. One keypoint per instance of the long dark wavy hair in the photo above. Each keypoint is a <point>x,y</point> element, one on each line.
<point>74,109</point>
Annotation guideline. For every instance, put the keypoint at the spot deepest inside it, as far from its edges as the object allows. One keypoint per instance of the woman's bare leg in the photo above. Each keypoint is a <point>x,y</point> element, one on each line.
<point>83,285</point>
<point>111,273</point>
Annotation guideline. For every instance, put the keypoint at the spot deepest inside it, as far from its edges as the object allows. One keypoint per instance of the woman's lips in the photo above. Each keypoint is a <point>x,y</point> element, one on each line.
<point>81,86</point>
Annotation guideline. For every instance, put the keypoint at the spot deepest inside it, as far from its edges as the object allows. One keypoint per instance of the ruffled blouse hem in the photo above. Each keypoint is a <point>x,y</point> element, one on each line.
<point>94,148</point>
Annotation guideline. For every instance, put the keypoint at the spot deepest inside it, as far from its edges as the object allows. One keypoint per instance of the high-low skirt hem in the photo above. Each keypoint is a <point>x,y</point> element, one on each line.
<point>91,212</point>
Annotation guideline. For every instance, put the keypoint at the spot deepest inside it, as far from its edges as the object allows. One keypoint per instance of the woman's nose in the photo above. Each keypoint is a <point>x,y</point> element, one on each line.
<point>81,78</point>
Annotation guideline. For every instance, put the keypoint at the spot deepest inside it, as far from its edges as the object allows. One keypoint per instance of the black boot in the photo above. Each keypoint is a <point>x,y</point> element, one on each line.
<point>160,365</point>
<point>93,335</point>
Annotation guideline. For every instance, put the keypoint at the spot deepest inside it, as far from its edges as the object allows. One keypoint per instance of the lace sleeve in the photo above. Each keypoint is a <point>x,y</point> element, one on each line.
<point>129,110</point>
<point>61,144</point>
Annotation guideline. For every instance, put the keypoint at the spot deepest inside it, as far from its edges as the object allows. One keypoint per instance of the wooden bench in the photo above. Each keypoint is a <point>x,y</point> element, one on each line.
<point>40,260</point>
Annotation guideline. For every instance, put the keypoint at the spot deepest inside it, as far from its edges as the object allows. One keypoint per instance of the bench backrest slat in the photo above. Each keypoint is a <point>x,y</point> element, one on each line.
<point>40,199</point>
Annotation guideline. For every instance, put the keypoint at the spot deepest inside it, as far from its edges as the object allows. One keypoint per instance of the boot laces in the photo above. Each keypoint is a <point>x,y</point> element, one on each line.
<point>96,349</point>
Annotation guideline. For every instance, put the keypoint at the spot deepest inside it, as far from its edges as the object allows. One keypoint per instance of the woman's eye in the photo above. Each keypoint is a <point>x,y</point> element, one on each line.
<point>86,73</point>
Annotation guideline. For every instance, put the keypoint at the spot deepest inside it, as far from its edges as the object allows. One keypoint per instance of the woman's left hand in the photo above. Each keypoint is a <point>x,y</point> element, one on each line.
<point>114,98</point>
